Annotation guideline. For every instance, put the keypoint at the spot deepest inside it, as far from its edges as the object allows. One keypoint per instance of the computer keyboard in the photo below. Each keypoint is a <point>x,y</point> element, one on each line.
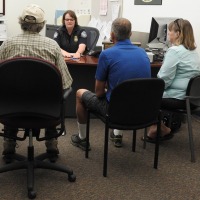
<point>156,45</point>
<point>158,57</point>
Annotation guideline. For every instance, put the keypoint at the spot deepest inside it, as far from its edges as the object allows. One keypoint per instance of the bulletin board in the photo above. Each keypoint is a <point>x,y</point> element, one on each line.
<point>108,17</point>
<point>92,7</point>
<point>104,21</point>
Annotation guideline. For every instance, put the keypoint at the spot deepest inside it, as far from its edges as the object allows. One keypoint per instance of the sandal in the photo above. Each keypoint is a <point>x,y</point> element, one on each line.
<point>162,138</point>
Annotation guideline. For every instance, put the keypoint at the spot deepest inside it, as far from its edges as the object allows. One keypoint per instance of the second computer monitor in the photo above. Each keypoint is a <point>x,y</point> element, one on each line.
<point>158,32</point>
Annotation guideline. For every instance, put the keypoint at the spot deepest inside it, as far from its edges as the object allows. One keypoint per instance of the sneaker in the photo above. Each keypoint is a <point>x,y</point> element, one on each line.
<point>116,139</point>
<point>8,146</point>
<point>51,146</point>
<point>76,141</point>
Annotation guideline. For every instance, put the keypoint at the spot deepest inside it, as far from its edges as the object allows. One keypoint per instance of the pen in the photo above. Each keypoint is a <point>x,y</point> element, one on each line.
<point>75,58</point>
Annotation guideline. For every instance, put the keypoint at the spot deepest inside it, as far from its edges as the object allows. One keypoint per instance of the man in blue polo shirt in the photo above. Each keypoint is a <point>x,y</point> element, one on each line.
<point>121,62</point>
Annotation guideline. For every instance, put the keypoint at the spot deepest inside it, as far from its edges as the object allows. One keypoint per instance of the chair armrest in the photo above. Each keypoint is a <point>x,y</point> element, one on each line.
<point>66,93</point>
<point>192,97</point>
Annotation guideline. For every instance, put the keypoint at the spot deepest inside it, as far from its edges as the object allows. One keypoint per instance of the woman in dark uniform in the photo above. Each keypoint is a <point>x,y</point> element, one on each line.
<point>71,37</point>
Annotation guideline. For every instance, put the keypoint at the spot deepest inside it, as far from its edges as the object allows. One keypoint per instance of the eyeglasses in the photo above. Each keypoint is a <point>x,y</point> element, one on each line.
<point>71,20</point>
<point>176,22</point>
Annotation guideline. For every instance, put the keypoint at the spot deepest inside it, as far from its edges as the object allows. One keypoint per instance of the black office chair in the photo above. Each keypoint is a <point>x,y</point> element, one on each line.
<point>134,104</point>
<point>32,98</point>
<point>192,100</point>
<point>92,37</point>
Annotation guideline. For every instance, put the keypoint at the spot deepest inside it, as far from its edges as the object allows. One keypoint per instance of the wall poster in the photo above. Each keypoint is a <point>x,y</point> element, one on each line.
<point>148,2</point>
<point>2,7</point>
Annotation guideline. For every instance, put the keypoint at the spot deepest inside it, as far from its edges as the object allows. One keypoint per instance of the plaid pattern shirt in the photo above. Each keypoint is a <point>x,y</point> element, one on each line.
<point>35,45</point>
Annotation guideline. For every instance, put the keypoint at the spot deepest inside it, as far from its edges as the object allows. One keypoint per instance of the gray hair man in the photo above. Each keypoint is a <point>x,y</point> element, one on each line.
<point>31,43</point>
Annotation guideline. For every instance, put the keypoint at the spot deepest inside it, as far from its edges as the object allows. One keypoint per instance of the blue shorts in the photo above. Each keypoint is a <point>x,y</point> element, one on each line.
<point>94,103</point>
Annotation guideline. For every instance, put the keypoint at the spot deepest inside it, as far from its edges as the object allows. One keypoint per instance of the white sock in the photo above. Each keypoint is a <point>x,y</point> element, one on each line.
<point>82,130</point>
<point>118,132</point>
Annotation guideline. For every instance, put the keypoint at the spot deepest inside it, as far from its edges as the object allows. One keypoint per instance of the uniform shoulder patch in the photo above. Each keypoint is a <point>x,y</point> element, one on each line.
<point>83,34</point>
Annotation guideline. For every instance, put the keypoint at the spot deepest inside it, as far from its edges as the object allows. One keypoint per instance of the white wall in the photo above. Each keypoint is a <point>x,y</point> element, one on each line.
<point>14,9</point>
<point>140,15</point>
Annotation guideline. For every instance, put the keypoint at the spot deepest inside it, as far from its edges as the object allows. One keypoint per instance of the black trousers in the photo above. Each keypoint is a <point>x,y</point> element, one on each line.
<point>172,103</point>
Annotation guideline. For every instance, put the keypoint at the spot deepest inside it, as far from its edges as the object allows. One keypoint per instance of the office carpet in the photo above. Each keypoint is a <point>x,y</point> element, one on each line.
<point>131,176</point>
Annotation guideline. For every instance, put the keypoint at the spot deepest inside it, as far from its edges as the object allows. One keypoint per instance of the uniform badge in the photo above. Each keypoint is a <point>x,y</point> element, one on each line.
<point>75,38</point>
<point>84,34</point>
<point>55,35</point>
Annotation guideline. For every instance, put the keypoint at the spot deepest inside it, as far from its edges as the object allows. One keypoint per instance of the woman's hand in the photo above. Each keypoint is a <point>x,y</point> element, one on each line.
<point>66,54</point>
<point>77,55</point>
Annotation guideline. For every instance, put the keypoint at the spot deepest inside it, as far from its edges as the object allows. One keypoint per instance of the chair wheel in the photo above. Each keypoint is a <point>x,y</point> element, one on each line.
<point>72,178</point>
<point>31,194</point>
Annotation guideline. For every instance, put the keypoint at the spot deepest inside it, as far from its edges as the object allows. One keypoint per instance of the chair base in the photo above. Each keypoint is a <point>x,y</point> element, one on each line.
<point>30,163</point>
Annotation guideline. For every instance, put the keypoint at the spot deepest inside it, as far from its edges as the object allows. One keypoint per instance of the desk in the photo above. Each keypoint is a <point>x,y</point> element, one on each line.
<point>83,74</point>
<point>108,44</point>
<point>83,61</point>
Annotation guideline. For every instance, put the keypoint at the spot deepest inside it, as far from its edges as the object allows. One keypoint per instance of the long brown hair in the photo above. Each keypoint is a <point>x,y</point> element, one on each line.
<point>72,14</point>
<point>186,35</point>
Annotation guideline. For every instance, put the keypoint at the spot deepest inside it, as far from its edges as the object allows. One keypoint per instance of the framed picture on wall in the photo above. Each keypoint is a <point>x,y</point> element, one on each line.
<point>148,2</point>
<point>2,7</point>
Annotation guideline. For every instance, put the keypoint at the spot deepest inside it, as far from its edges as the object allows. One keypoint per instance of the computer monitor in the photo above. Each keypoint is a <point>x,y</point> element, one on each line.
<point>158,38</point>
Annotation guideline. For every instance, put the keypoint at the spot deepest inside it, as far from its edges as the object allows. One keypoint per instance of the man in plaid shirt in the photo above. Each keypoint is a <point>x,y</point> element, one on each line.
<point>31,43</point>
